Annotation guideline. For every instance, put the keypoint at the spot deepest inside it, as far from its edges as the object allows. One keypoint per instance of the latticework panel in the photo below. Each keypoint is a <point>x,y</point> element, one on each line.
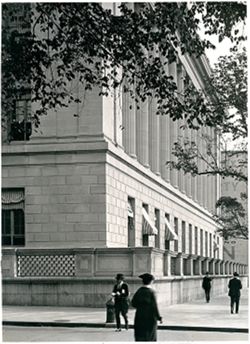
<point>45,265</point>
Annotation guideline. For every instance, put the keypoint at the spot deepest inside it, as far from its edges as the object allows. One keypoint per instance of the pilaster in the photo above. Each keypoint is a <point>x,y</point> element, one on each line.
<point>129,124</point>
<point>142,133</point>
<point>154,137</point>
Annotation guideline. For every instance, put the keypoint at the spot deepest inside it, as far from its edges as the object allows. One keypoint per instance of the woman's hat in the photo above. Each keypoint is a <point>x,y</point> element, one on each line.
<point>147,277</point>
<point>119,277</point>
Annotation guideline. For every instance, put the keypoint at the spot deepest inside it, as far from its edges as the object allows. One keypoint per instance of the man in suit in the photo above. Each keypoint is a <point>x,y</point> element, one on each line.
<point>234,286</point>
<point>121,293</point>
<point>206,285</point>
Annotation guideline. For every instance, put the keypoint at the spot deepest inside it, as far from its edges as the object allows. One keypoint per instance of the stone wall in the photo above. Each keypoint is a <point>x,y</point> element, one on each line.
<point>65,193</point>
<point>94,292</point>
<point>84,277</point>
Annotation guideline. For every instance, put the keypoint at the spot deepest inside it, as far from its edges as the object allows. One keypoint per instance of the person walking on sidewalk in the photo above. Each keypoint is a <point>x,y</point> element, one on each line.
<point>234,286</point>
<point>121,294</point>
<point>206,285</point>
<point>147,313</point>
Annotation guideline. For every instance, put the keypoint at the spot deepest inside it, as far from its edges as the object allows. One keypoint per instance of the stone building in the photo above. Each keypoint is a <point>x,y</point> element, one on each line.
<point>89,195</point>
<point>236,249</point>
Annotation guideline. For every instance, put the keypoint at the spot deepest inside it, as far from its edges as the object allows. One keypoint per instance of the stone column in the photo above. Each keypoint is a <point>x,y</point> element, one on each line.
<point>208,177</point>
<point>173,130</point>
<point>194,180</point>
<point>167,264</point>
<point>180,122</point>
<point>213,178</point>
<point>204,177</point>
<point>203,167</point>
<point>154,137</point>
<point>165,147</point>
<point>129,124</point>
<point>217,178</point>
<point>142,133</point>
<point>188,179</point>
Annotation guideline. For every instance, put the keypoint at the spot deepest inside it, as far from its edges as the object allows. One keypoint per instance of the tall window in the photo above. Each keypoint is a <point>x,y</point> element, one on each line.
<point>21,125</point>
<point>206,244</point>
<point>218,247</point>
<point>196,240</point>
<point>167,240</point>
<point>176,231</point>
<point>183,227</point>
<point>131,221</point>
<point>190,232</point>
<point>201,242</point>
<point>157,225</point>
<point>145,235</point>
<point>13,232</point>
<point>210,246</point>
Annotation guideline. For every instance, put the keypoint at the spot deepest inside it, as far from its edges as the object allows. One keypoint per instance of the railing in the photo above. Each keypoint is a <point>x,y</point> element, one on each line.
<point>19,263</point>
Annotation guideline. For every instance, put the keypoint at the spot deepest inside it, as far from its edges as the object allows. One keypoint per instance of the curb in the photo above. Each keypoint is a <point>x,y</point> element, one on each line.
<point>111,325</point>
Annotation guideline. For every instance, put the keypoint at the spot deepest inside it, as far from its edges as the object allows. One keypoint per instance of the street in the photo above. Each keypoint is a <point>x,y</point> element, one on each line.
<point>52,334</point>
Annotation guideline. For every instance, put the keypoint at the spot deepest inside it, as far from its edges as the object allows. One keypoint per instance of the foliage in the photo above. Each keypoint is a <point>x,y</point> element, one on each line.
<point>232,222</point>
<point>47,46</point>
<point>229,82</point>
<point>71,41</point>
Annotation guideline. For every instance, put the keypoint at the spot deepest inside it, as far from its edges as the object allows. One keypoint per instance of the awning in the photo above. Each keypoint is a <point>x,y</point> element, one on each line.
<point>148,226</point>
<point>169,231</point>
<point>12,199</point>
<point>130,210</point>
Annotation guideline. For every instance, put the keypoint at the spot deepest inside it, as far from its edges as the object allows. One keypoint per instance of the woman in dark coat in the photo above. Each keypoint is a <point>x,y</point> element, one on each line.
<point>121,293</point>
<point>147,313</point>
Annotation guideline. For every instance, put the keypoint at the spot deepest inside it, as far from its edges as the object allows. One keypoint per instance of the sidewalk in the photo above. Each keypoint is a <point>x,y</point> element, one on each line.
<point>196,316</point>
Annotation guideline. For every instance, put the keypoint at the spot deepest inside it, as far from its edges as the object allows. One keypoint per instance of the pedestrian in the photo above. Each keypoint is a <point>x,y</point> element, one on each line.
<point>206,285</point>
<point>147,313</point>
<point>234,286</point>
<point>121,294</point>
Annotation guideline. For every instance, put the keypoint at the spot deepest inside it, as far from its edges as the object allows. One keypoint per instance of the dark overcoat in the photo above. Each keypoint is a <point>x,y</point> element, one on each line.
<point>234,286</point>
<point>121,300</point>
<point>206,283</point>
<point>146,316</point>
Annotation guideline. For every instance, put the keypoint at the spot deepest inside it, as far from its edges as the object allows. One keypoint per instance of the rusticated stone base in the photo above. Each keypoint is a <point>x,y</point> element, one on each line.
<point>95,291</point>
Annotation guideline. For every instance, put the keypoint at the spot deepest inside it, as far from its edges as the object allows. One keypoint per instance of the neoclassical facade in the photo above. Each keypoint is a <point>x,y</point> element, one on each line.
<point>90,194</point>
